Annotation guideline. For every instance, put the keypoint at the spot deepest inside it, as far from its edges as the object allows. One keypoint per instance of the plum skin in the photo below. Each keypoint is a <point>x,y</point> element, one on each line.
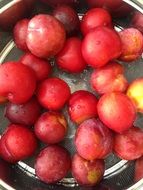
<point>124,114</point>
<point>132,44</point>
<point>129,145</point>
<point>20,34</point>
<point>95,17</point>
<point>56,159</point>
<point>70,57</point>
<point>17,143</point>
<point>41,67</point>
<point>109,78</point>
<point>95,46</point>
<point>93,140</point>
<point>68,16</point>
<point>82,105</point>
<point>87,173</point>
<point>12,75</point>
<point>51,127</point>
<point>4,153</point>
<point>24,114</point>
<point>45,36</point>
<point>134,92</point>
<point>53,93</point>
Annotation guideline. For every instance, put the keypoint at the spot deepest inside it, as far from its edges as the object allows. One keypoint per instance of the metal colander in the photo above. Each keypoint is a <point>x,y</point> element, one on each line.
<point>119,173</point>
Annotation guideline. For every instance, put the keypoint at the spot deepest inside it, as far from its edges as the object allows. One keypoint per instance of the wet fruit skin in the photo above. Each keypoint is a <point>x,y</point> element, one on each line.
<point>51,127</point>
<point>109,78</point>
<point>24,114</point>
<point>17,82</point>
<point>137,21</point>
<point>45,36</point>
<point>129,145</point>
<point>95,46</point>
<point>41,67</point>
<point>116,111</point>
<point>87,173</point>
<point>53,93</point>
<point>4,153</point>
<point>17,143</point>
<point>57,160</point>
<point>135,93</point>
<point>93,140</point>
<point>95,17</point>
<point>82,106</point>
<point>70,57</point>
<point>132,43</point>
<point>138,175</point>
<point>20,34</point>
<point>68,16</point>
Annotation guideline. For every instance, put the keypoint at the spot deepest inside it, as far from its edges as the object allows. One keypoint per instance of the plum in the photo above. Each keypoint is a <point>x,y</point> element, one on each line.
<point>20,34</point>
<point>129,145</point>
<point>109,78</point>
<point>46,36</point>
<point>137,21</point>
<point>51,127</point>
<point>17,143</point>
<point>70,57</point>
<point>41,67</point>
<point>116,111</point>
<point>135,93</point>
<point>25,114</point>
<point>132,44</point>
<point>95,17</point>
<point>57,160</point>
<point>53,93</point>
<point>4,152</point>
<point>100,46</point>
<point>138,175</point>
<point>17,82</point>
<point>87,173</point>
<point>93,140</point>
<point>55,3</point>
<point>68,16</point>
<point>82,106</point>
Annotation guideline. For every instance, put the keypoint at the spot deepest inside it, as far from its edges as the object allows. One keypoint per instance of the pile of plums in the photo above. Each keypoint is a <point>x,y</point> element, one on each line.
<point>104,124</point>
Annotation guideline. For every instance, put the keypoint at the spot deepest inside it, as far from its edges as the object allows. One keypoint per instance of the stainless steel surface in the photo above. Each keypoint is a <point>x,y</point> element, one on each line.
<point>137,4</point>
<point>118,172</point>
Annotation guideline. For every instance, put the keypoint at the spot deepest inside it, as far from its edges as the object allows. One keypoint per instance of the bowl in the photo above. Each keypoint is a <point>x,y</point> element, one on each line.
<point>119,173</point>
